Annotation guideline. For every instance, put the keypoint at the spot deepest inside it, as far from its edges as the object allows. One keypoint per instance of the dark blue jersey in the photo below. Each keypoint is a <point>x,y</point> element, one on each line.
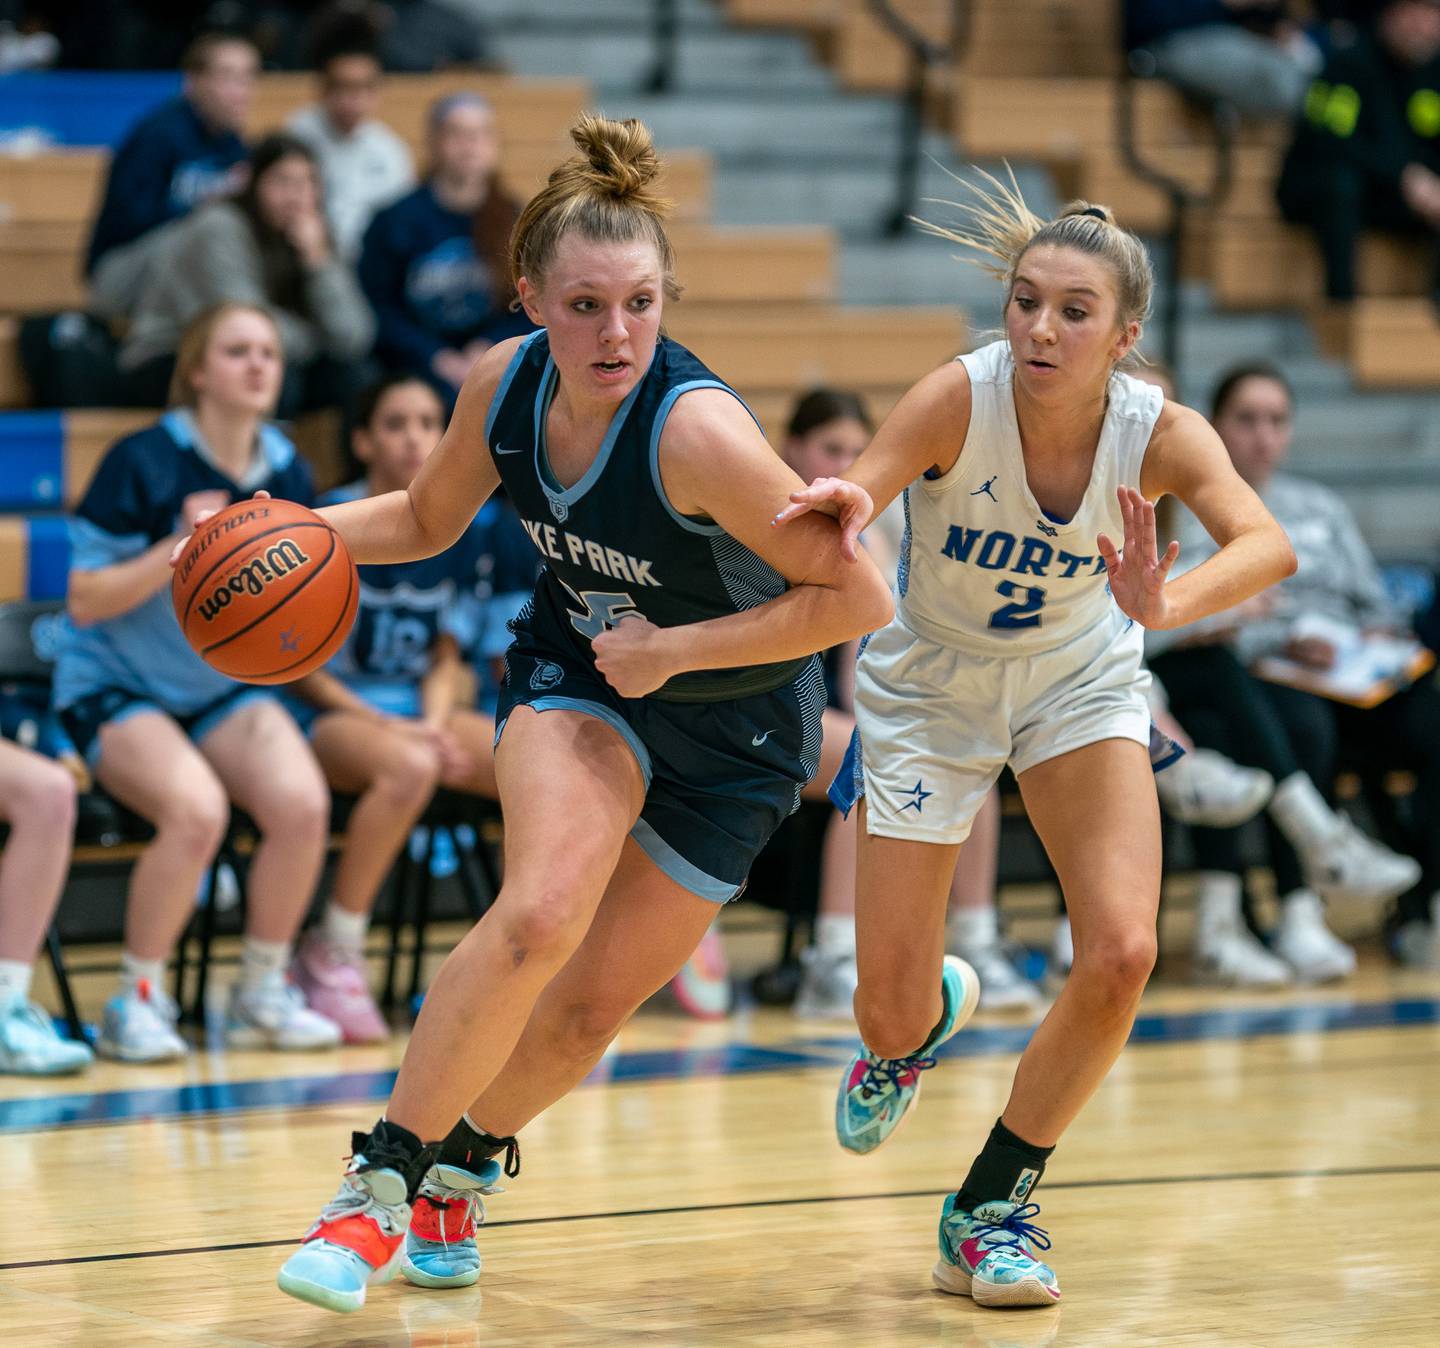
<point>429,288</point>
<point>169,164</point>
<point>613,544</point>
<point>468,592</point>
<point>136,499</point>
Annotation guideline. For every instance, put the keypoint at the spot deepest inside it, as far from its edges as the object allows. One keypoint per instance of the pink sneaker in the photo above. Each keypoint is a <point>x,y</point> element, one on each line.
<point>333,981</point>
<point>702,987</point>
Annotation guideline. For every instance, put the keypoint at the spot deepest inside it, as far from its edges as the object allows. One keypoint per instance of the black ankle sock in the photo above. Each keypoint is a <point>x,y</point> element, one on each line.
<point>1007,1170</point>
<point>389,1146</point>
<point>468,1148</point>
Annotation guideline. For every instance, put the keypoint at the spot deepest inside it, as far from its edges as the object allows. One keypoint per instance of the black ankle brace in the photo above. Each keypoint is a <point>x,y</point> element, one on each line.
<point>468,1147</point>
<point>1008,1169</point>
<point>390,1147</point>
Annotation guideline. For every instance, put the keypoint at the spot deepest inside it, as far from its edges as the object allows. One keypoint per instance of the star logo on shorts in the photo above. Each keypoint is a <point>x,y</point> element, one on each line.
<point>920,796</point>
<point>290,640</point>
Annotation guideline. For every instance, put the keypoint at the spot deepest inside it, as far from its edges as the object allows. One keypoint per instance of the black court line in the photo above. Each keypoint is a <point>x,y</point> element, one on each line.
<point>1134,1182</point>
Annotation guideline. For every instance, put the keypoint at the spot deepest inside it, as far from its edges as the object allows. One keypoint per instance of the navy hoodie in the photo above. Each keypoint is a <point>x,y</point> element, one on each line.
<point>169,164</point>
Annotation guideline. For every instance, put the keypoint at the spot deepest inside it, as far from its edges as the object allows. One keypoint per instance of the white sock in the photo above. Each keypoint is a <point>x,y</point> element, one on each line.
<point>973,928</point>
<point>835,934</point>
<point>1217,903</point>
<point>134,971</point>
<point>1302,813</point>
<point>15,980</point>
<point>261,959</point>
<point>344,928</point>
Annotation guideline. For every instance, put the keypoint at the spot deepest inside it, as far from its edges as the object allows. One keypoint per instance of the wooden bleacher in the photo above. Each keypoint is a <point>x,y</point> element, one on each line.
<point>1039,80</point>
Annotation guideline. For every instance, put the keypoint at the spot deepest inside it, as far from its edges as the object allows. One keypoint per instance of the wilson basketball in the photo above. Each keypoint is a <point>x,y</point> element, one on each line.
<point>265,591</point>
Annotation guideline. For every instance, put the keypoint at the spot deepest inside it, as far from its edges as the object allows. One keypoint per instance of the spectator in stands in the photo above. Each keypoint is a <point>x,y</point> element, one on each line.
<point>164,733</point>
<point>390,717</point>
<point>364,165</point>
<point>1297,737</point>
<point>1247,53</point>
<point>269,247</point>
<point>1367,152</point>
<point>435,264</point>
<point>37,801</point>
<point>186,152</point>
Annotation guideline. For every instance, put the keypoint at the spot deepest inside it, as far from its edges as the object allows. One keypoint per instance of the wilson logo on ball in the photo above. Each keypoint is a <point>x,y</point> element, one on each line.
<point>265,591</point>
<point>254,576</point>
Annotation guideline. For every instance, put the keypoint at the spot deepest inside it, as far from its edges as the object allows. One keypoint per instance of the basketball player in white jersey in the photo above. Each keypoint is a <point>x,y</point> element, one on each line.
<point>1017,639</point>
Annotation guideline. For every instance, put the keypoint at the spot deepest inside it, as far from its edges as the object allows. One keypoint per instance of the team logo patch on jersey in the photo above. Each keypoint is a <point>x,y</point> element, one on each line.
<point>546,675</point>
<point>559,509</point>
<point>1049,530</point>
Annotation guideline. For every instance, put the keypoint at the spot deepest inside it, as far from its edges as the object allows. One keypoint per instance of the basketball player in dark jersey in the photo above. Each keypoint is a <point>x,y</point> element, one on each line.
<point>660,712</point>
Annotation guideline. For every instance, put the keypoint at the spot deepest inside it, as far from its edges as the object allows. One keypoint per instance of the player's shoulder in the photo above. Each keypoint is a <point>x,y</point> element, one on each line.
<point>1178,426</point>
<point>938,404</point>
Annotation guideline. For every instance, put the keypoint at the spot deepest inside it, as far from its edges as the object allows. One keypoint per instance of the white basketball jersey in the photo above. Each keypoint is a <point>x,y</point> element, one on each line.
<point>982,567</point>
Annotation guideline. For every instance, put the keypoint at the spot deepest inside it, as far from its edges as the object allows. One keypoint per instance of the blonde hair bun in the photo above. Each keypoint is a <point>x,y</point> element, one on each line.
<point>620,155</point>
<point>1090,208</point>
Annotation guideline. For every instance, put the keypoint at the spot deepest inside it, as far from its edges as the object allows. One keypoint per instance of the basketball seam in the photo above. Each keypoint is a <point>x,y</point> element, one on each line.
<point>317,569</point>
<point>254,538</point>
<point>344,611</point>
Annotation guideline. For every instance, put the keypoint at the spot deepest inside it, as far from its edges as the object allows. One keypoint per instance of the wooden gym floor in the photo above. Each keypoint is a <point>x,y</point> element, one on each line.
<point>1257,1170</point>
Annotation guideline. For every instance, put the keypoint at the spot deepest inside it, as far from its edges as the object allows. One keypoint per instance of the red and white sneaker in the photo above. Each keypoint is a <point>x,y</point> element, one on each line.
<point>359,1238</point>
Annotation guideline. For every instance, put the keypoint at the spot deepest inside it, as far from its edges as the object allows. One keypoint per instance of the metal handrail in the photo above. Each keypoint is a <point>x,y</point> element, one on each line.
<point>665,32</point>
<point>1182,197</point>
<point>925,55</point>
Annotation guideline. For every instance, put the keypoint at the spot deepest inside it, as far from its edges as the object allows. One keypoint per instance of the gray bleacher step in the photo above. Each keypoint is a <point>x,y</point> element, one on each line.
<point>616,62</point>
<point>757,125</point>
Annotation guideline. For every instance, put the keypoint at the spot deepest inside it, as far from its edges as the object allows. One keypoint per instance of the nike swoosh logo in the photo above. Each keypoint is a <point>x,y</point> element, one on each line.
<point>498,450</point>
<point>760,739</point>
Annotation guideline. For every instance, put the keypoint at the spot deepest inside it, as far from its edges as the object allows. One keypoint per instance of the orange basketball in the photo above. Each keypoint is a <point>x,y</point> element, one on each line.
<point>265,591</point>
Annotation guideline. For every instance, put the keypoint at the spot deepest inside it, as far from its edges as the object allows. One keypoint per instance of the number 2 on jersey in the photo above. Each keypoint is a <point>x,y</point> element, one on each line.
<point>603,609</point>
<point>1021,614</point>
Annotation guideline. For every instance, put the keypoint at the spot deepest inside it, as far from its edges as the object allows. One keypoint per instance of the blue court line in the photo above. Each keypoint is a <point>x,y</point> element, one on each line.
<point>199,1098</point>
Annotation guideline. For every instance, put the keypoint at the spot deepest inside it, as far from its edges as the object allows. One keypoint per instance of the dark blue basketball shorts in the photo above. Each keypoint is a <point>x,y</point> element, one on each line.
<point>720,777</point>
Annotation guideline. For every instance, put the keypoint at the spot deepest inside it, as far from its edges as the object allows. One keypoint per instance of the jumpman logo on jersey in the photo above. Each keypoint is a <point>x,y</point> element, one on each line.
<point>1049,530</point>
<point>918,791</point>
<point>984,489</point>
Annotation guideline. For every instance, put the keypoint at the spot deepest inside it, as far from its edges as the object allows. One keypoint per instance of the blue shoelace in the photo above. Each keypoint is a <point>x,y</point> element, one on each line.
<point>1017,1227</point>
<point>883,1074</point>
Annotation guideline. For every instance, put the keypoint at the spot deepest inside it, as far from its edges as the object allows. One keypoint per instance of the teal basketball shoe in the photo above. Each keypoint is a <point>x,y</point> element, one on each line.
<point>876,1093</point>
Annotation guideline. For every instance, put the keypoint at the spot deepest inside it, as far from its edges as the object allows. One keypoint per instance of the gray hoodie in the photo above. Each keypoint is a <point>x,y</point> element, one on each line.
<point>211,256</point>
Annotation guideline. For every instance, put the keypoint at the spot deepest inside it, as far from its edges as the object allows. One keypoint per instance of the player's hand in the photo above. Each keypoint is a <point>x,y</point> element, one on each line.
<point>840,499</point>
<point>1137,575</point>
<point>631,657</point>
<point>201,515</point>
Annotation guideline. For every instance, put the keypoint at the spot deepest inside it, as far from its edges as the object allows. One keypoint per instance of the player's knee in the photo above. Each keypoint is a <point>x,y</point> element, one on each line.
<point>409,777</point>
<point>1119,967</point>
<point>546,925</point>
<point>298,808</point>
<point>584,1029</point>
<point>196,818</point>
<point>47,802</point>
<point>894,1026</point>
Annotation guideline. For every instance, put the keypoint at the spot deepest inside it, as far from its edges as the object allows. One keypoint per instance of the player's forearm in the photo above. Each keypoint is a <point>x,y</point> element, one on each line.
<point>803,620</point>
<point>110,591</point>
<point>1246,565</point>
<point>330,694</point>
<point>390,527</point>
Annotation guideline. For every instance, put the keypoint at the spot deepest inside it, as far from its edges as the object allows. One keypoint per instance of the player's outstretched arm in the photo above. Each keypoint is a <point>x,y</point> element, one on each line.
<point>925,430</point>
<point>455,482</point>
<point>1188,459</point>
<point>714,462</point>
